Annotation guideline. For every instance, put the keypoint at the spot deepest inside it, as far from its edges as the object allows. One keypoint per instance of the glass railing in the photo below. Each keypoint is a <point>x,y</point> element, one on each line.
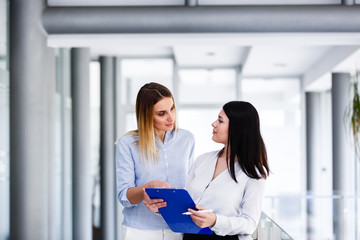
<point>315,217</point>
<point>268,229</point>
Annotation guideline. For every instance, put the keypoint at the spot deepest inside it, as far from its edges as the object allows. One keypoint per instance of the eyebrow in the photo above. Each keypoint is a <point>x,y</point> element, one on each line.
<point>221,117</point>
<point>160,111</point>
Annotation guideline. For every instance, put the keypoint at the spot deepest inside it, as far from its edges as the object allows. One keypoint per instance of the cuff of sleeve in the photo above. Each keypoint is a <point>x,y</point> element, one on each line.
<point>125,201</point>
<point>219,225</point>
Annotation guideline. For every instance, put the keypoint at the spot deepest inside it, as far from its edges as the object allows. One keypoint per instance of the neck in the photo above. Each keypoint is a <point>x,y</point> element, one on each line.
<point>224,153</point>
<point>161,135</point>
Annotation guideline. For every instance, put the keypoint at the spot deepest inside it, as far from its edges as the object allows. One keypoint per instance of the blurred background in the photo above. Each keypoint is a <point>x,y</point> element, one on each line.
<point>79,76</point>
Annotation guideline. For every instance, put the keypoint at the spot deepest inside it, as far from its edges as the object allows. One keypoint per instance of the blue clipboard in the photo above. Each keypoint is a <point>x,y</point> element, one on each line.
<point>177,202</point>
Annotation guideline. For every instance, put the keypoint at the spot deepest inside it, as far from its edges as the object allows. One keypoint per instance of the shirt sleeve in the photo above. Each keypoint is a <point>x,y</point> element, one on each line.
<point>191,156</point>
<point>125,172</point>
<point>191,174</point>
<point>248,220</point>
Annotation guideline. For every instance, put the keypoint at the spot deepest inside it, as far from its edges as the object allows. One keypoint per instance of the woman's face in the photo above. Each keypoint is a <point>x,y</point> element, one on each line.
<point>221,128</point>
<point>164,115</point>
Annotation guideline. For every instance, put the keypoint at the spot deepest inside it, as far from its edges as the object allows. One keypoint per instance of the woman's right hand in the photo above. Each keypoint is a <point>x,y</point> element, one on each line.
<point>157,184</point>
<point>154,204</point>
<point>135,194</point>
<point>203,219</point>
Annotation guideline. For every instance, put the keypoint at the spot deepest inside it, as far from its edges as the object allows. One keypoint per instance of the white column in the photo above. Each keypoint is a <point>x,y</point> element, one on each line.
<point>343,176</point>
<point>82,227</point>
<point>107,149</point>
<point>31,116</point>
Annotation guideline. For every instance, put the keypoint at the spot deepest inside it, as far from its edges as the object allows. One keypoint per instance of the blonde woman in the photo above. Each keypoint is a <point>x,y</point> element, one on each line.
<point>157,154</point>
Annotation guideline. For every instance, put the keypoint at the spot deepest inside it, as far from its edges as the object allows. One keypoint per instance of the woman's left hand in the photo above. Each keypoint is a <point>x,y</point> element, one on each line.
<point>203,219</point>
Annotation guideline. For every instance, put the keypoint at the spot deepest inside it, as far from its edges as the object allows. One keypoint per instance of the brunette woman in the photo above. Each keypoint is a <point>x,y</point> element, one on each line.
<point>231,181</point>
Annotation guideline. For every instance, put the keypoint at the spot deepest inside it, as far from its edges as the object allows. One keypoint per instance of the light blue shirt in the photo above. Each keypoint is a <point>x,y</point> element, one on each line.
<point>176,155</point>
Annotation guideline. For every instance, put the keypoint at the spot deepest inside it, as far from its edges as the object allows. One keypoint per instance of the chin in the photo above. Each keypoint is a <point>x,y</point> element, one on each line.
<point>216,140</point>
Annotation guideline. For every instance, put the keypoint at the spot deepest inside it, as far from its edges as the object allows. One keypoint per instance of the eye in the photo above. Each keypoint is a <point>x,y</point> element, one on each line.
<point>161,114</point>
<point>172,108</point>
<point>220,121</point>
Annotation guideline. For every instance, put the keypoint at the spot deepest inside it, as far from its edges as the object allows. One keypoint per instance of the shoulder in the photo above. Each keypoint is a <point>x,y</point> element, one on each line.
<point>211,154</point>
<point>184,133</point>
<point>258,183</point>
<point>127,138</point>
<point>206,156</point>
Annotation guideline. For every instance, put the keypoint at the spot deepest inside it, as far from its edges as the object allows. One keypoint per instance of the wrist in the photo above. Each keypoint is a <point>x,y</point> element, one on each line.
<point>214,220</point>
<point>147,185</point>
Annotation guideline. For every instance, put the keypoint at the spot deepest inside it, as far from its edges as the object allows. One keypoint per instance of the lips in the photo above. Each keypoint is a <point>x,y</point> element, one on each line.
<point>169,125</point>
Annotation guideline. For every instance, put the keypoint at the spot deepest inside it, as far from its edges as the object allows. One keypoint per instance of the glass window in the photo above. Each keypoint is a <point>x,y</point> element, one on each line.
<point>131,121</point>
<point>63,146</point>
<point>4,154</point>
<point>4,124</point>
<point>202,86</point>
<point>95,142</point>
<point>278,104</point>
<point>137,72</point>
<point>198,121</point>
<point>3,34</point>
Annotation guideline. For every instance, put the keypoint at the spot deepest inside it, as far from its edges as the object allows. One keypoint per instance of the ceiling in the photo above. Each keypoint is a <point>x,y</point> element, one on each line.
<point>183,2</point>
<point>258,55</point>
<point>310,56</point>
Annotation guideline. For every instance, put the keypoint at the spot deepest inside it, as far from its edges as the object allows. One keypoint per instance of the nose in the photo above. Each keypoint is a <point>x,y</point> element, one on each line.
<point>171,117</point>
<point>213,124</point>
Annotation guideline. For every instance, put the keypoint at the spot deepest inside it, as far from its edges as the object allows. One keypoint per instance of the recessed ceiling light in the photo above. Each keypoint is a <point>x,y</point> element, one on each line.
<point>210,54</point>
<point>279,65</point>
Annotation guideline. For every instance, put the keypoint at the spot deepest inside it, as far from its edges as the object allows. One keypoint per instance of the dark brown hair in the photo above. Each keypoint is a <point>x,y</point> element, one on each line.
<point>244,141</point>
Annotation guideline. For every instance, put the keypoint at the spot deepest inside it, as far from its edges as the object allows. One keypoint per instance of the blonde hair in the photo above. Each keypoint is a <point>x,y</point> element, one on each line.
<point>147,97</point>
